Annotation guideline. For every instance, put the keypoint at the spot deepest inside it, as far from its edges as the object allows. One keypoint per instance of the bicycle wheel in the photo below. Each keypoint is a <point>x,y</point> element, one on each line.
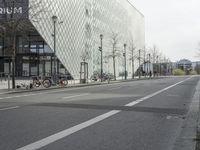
<point>36,84</point>
<point>63,82</point>
<point>46,83</point>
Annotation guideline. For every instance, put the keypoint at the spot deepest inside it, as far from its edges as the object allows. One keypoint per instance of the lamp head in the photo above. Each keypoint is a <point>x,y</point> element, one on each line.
<point>55,18</point>
<point>101,36</point>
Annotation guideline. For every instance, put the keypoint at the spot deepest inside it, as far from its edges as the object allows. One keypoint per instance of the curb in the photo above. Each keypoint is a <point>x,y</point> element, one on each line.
<point>187,137</point>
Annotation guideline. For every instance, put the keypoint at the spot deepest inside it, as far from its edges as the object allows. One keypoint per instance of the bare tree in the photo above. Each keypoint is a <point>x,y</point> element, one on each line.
<point>133,55</point>
<point>14,23</point>
<point>144,58</point>
<point>114,40</point>
<point>85,55</point>
<point>154,53</point>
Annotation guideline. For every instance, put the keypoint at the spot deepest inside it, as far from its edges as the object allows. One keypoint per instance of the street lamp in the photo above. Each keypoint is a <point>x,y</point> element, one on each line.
<point>157,66</point>
<point>124,54</point>
<point>55,19</point>
<point>139,63</point>
<point>101,50</point>
<point>149,65</point>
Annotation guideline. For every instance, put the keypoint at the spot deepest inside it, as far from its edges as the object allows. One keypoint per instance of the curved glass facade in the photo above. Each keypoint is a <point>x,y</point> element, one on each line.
<point>79,24</point>
<point>76,31</point>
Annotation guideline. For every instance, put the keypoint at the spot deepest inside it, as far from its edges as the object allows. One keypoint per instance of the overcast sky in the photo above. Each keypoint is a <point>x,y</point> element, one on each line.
<point>173,25</point>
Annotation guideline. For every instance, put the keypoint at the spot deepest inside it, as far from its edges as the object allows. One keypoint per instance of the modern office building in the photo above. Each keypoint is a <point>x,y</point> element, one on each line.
<point>71,29</point>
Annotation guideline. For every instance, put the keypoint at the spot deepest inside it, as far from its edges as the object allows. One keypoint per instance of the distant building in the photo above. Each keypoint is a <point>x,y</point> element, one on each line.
<point>195,64</point>
<point>156,69</point>
<point>185,65</point>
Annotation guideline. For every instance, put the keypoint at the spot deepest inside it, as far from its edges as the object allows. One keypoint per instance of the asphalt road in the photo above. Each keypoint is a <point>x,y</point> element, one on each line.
<point>138,115</point>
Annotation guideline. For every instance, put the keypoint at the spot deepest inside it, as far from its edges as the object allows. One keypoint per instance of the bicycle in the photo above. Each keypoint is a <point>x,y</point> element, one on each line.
<point>61,80</point>
<point>41,81</point>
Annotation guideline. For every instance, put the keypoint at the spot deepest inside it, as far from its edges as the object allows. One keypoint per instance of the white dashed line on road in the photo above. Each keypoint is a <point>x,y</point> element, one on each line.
<point>73,96</point>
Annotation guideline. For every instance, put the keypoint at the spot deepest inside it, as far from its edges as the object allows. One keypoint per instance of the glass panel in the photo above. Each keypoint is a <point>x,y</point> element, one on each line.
<point>25,69</point>
<point>48,67</point>
<point>33,71</point>
<point>47,49</point>
<point>6,67</point>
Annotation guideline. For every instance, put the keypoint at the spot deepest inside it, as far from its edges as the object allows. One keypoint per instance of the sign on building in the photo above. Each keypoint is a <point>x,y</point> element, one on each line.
<point>13,8</point>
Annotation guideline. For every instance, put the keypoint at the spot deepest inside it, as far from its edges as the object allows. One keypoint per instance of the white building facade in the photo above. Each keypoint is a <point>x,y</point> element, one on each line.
<point>78,27</point>
<point>82,23</point>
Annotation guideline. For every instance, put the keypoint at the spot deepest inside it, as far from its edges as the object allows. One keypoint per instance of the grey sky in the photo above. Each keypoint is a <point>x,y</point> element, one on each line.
<point>173,25</point>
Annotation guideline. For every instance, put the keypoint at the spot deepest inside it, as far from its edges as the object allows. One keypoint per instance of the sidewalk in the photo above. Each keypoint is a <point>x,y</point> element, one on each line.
<point>4,84</point>
<point>71,84</point>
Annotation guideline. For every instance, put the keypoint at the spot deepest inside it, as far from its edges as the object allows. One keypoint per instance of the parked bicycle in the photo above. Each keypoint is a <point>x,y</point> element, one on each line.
<point>61,80</point>
<point>41,81</point>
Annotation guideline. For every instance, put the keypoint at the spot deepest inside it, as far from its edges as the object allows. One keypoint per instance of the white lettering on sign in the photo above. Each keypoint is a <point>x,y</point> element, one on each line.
<point>17,10</point>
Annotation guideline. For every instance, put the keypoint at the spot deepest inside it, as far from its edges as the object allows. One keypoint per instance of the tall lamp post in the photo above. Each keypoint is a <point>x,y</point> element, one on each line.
<point>55,19</point>
<point>124,54</point>
<point>149,65</point>
<point>157,65</point>
<point>139,63</point>
<point>101,50</point>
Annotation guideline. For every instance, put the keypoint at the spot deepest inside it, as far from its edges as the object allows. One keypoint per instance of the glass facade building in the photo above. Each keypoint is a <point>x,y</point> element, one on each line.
<point>77,30</point>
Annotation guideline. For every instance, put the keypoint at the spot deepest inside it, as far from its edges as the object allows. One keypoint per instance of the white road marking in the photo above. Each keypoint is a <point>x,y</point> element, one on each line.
<point>120,87</point>
<point>115,88</point>
<point>171,95</point>
<point>169,117</point>
<point>55,137</point>
<point>73,96</point>
<point>8,108</point>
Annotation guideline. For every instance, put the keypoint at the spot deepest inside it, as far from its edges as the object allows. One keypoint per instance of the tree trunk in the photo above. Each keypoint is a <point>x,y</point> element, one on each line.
<point>114,69</point>
<point>133,67</point>
<point>13,40</point>
<point>13,59</point>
